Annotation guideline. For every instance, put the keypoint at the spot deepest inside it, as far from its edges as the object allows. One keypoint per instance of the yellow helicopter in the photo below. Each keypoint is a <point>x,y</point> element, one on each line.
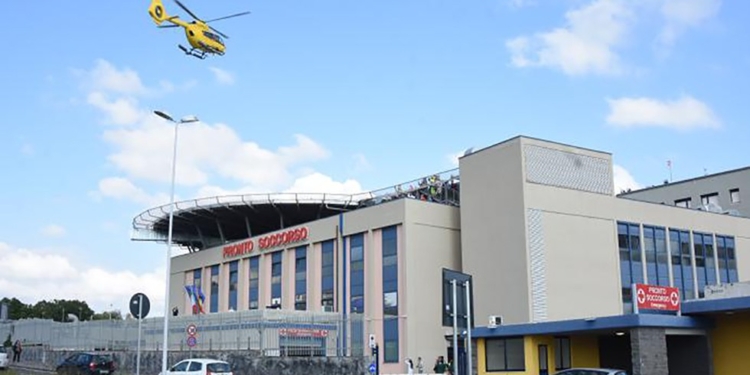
<point>203,39</point>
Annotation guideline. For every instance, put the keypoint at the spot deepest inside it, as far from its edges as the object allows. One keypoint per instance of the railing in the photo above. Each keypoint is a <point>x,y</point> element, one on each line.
<point>441,187</point>
<point>266,332</point>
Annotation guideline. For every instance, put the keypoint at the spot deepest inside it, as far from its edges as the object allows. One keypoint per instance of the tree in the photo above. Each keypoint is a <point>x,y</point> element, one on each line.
<point>17,309</point>
<point>107,315</point>
<point>8,342</point>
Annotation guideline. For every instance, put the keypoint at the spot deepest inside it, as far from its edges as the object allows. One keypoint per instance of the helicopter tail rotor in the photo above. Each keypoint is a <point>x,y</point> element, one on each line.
<point>157,12</point>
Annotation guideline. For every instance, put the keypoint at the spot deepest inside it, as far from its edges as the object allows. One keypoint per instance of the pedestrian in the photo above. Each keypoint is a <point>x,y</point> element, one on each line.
<point>420,365</point>
<point>17,349</point>
<point>409,366</point>
<point>439,367</point>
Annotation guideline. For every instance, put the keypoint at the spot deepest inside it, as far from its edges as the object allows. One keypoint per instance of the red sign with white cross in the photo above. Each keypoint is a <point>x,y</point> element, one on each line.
<point>654,297</point>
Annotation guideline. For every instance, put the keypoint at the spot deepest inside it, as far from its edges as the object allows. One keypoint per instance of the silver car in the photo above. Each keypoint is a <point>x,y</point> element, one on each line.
<point>591,371</point>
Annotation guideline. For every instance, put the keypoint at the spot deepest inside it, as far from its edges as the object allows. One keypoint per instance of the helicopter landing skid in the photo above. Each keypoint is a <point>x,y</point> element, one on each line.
<point>193,52</point>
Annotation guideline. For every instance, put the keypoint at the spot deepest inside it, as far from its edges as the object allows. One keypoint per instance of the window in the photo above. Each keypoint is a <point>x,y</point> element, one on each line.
<point>357,273</point>
<point>631,264</point>
<point>726,260</point>
<point>389,237</point>
<point>300,278</point>
<point>505,355</point>
<point>276,263</point>
<point>710,198</point>
<point>215,288</point>
<point>327,287</point>
<point>682,262</point>
<point>734,195</point>
<point>253,292</point>
<point>685,202</point>
<point>233,279</point>
<point>704,261</point>
<point>562,353</point>
<point>657,259</point>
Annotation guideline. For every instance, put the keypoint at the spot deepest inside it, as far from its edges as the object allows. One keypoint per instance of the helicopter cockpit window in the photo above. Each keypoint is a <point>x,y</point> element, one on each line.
<point>212,36</point>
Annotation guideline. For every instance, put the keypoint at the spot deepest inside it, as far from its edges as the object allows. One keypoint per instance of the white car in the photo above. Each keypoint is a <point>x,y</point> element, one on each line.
<point>200,366</point>
<point>3,360</point>
<point>591,371</point>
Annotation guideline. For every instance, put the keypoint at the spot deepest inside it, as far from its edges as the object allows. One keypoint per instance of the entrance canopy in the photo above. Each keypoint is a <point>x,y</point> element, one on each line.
<point>608,323</point>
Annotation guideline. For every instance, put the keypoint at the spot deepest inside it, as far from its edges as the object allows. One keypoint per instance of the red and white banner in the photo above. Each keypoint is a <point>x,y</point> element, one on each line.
<point>303,332</point>
<point>654,297</point>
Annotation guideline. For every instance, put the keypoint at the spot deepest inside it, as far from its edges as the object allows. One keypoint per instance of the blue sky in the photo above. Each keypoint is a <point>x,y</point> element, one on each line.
<point>333,96</point>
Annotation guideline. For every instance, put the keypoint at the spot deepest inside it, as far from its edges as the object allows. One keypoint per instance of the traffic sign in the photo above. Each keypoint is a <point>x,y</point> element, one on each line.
<point>192,330</point>
<point>372,368</point>
<point>136,309</point>
<point>192,341</point>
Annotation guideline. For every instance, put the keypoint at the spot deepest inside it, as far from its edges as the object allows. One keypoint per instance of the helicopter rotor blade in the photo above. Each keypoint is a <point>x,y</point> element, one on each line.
<point>167,26</point>
<point>225,36</point>
<point>187,10</point>
<point>225,17</point>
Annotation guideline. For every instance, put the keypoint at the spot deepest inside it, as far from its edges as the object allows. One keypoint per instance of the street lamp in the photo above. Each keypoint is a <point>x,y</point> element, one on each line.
<point>165,344</point>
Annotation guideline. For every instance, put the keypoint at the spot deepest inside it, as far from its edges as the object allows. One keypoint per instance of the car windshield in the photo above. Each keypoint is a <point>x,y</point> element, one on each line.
<point>99,358</point>
<point>219,367</point>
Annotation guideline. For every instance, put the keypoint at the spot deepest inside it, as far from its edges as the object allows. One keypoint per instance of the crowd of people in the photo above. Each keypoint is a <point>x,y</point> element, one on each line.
<point>432,189</point>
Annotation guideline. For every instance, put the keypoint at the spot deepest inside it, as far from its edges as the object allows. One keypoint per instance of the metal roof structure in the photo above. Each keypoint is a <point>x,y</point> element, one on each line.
<point>213,221</point>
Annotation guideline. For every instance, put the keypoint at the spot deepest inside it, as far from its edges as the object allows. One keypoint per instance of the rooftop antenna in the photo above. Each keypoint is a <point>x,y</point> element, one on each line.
<point>669,166</point>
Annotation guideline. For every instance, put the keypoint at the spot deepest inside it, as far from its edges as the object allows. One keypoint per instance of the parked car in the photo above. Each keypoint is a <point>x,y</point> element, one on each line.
<point>591,371</point>
<point>3,361</point>
<point>200,366</point>
<point>85,363</point>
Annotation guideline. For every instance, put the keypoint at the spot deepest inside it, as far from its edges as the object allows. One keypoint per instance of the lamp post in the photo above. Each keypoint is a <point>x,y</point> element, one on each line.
<point>165,344</point>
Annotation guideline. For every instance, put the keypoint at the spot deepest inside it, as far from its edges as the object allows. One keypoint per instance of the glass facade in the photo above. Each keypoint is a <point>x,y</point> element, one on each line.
<point>357,273</point>
<point>276,283</point>
<point>682,262</point>
<point>390,295</point>
<point>233,279</point>
<point>300,278</point>
<point>631,264</point>
<point>254,285</point>
<point>327,280</point>
<point>692,256</point>
<point>214,306</point>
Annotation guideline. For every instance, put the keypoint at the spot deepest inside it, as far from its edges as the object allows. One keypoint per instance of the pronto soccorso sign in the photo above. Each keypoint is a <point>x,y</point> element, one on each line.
<point>270,241</point>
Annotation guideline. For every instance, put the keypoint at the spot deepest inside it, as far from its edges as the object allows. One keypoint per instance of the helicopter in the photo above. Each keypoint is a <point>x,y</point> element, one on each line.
<point>204,40</point>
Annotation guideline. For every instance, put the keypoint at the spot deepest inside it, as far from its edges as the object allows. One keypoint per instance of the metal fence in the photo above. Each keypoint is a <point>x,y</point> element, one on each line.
<point>268,332</point>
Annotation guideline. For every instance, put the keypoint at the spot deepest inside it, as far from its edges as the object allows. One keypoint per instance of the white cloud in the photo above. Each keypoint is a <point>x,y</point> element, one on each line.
<point>33,275</point>
<point>586,44</point>
<point>53,230</point>
<point>680,15</point>
<point>683,114</point>
<point>222,76</point>
<point>320,183</point>
<point>121,188</point>
<point>120,111</point>
<point>623,180</point>
<point>106,77</point>
<point>206,152</point>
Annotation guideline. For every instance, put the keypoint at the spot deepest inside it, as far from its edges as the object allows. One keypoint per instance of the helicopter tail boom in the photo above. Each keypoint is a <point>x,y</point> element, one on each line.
<point>157,12</point>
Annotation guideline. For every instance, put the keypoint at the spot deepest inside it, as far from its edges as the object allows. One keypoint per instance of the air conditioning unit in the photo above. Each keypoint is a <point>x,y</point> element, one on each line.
<point>327,308</point>
<point>300,297</point>
<point>276,301</point>
<point>495,320</point>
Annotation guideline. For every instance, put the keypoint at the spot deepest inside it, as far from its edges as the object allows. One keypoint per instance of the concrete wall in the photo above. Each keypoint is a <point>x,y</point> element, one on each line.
<point>242,362</point>
<point>493,232</point>
<point>719,183</point>
<point>433,242</point>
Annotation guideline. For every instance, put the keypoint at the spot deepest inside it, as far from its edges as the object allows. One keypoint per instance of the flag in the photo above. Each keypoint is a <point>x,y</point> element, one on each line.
<point>200,300</point>
<point>669,164</point>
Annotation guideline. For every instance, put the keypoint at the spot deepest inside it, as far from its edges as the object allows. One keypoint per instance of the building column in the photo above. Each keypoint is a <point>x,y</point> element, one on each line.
<point>649,351</point>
